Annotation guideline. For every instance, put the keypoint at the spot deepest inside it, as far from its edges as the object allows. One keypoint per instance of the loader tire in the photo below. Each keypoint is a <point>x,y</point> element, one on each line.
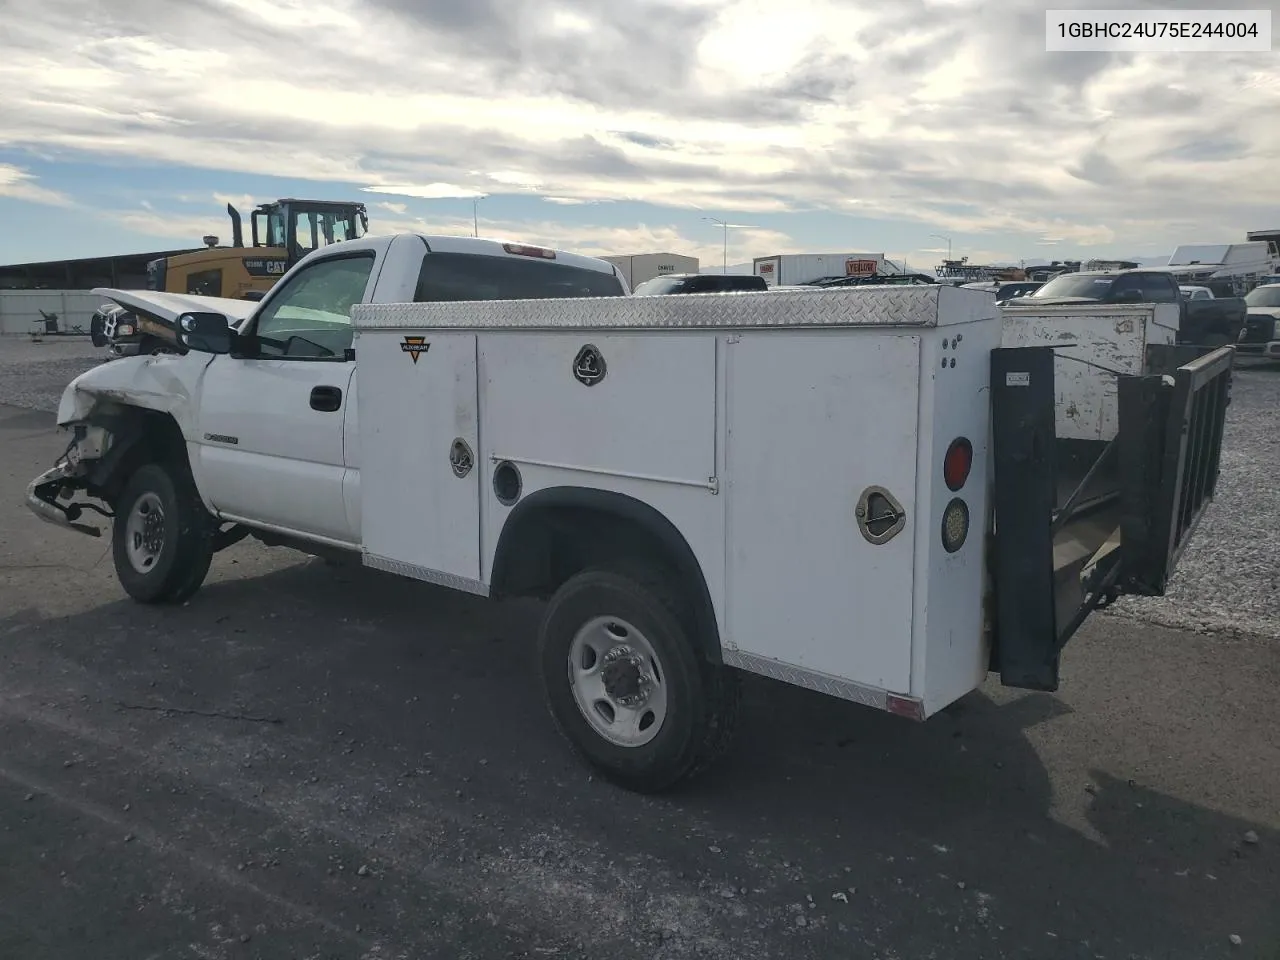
<point>625,683</point>
<point>162,536</point>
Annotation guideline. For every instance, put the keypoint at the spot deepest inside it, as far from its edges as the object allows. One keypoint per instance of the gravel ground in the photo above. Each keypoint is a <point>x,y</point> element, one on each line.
<point>1228,580</point>
<point>32,375</point>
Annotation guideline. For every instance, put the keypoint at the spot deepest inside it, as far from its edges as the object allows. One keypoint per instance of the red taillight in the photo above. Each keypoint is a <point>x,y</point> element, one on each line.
<point>527,250</point>
<point>957,463</point>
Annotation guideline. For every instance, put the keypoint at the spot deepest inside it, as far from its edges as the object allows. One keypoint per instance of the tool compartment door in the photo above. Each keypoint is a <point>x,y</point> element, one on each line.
<point>814,420</point>
<point>417,396</point>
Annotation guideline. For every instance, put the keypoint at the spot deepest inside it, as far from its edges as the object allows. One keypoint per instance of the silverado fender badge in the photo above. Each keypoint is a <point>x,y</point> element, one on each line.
<point>588,366</point>
<point>415,347</point>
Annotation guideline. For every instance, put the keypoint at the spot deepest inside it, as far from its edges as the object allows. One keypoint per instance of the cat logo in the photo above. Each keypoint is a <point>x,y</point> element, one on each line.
<point>415,347</point>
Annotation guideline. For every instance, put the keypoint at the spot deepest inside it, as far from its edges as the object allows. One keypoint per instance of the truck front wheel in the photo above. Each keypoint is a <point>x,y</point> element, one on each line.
<point>625,684</point>
<point>162,537</point>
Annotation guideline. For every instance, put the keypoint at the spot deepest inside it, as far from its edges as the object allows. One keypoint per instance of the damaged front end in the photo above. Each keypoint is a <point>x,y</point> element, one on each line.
<point>130,333</point>
<point>49,495</point>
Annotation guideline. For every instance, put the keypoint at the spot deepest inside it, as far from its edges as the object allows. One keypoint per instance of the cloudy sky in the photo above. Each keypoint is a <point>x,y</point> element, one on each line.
<point>615,127</point>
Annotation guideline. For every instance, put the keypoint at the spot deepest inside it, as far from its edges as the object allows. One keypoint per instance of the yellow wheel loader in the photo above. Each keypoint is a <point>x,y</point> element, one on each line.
<point>283,232</point>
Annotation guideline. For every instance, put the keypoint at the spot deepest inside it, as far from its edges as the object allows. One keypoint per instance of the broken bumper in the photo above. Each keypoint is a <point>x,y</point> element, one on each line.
<point>42,497</point>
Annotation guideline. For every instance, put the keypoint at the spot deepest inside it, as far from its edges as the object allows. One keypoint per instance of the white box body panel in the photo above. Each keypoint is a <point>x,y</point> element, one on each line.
<point>654,414</point>
<point>414,509</point>
<point>803,442</point>
<point>950,649</point>
<point>1092,342</point>
<point>751,422</point>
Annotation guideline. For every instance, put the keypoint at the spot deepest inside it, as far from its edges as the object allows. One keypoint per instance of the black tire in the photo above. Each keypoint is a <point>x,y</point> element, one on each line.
<point>96,335</point>
<point>183,557</point>
<point>702,698</point>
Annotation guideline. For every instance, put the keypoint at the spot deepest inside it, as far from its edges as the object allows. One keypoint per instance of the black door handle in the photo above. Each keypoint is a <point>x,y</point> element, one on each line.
<point>326,399</point>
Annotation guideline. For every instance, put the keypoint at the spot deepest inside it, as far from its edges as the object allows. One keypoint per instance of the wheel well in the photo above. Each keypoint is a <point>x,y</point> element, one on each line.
<point>555,533</point>
<point>138,437</point>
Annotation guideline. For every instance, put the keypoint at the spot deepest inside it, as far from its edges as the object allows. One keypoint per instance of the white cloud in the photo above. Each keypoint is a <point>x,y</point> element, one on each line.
<point>601,240</point>
<point>946,115</point>
<point>187,228</point>
<point>243,202</point>
<point>397,208</point>
<point>428,191</point>
<point>18,184</point>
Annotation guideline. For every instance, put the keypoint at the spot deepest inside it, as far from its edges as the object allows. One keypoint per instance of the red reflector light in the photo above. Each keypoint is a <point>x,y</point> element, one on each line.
<point>528,250</point>
<point>957,463</point>
<point>908,707</point>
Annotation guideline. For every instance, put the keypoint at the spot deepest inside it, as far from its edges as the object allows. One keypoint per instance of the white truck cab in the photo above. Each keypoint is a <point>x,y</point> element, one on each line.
<point>882,493</point>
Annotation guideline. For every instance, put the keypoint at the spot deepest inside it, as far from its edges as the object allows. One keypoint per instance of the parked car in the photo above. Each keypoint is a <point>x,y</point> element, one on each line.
<point>1261,332</point>
<point>1215,322</point>
<point>699,283</point>
<point>1016,289</point>
<point>1005,290</point>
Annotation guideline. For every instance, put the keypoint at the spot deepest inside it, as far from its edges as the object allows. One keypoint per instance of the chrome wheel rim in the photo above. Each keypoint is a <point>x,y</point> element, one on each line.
<point>618,682</point>
<point>144,533</point>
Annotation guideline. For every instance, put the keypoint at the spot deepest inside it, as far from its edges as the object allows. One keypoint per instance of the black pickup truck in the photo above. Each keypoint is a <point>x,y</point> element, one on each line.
<point>1214,322</point>
<point>1220,317</point>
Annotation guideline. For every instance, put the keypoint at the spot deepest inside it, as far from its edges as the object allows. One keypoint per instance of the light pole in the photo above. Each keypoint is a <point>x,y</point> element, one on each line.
<point>724,266</point>
<point>947,240</point>
<point>475,213</point>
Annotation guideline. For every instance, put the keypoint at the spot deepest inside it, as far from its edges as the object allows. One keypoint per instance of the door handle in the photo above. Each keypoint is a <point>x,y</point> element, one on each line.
<point>326,399</point>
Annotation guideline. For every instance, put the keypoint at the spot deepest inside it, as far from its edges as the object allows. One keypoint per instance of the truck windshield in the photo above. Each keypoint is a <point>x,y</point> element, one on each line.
<point>469,276</point>
<point>1075,285</point>
<point>1263,297</point>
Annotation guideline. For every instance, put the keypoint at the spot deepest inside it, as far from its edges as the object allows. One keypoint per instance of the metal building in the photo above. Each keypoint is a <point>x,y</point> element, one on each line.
<point>638,267</point>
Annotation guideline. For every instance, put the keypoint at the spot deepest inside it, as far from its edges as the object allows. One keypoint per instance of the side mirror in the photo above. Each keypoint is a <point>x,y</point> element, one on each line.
<point>1129,296</point>
<point>205,332</point>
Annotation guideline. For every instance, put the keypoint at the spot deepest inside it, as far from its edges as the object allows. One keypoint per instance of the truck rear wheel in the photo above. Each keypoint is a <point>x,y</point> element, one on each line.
<point>625,684</point>
<point>161,538</point>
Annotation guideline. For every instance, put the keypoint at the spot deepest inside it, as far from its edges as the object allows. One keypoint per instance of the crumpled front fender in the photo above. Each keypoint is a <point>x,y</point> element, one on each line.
<point>166,382</point>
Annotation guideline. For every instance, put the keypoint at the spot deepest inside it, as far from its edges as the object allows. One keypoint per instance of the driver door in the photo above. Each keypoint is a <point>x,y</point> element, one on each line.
<point>271,419</point>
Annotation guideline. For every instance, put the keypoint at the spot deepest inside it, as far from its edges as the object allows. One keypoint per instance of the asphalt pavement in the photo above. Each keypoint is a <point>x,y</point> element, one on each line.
<point>309,761</point>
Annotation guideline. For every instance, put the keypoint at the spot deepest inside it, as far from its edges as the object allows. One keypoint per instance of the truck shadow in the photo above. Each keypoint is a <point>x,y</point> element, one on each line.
<point>939,835</point>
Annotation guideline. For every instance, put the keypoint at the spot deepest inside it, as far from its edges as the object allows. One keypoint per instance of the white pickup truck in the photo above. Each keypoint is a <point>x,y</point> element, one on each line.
<point>853,490</point>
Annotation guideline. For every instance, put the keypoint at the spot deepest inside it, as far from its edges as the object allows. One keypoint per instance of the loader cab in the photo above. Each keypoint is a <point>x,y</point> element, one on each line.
<point>282,232</point>
<point>301,226</point>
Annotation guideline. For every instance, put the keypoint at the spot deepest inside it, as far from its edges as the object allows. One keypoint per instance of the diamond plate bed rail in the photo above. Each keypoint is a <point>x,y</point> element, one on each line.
<point>922,306</point>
